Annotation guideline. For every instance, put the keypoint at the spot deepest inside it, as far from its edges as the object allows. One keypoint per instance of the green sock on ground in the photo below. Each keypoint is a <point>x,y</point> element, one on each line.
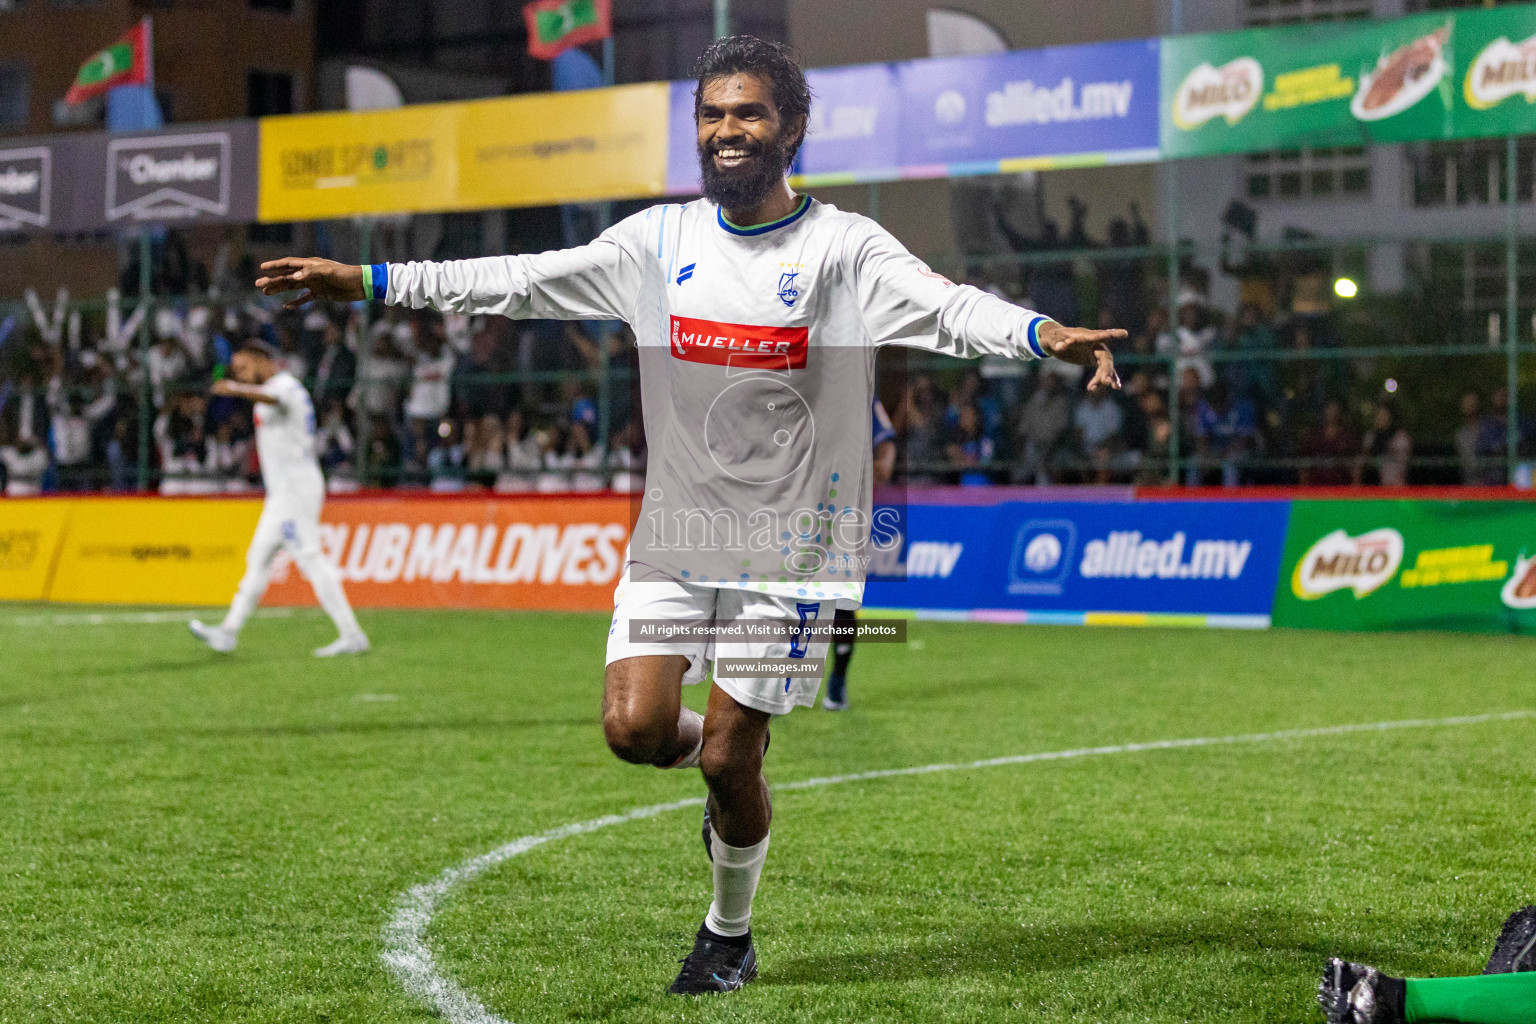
<point>1482,999</point>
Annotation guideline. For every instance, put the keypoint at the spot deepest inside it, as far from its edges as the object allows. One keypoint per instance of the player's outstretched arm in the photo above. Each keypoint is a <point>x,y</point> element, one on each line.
<point>1084,347</point>
<point>313,278</point>
<point>249,392</point>
<point>905,303</point>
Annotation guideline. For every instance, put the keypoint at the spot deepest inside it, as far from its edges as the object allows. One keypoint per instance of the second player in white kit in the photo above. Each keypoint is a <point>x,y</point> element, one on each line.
<point>295,493</point>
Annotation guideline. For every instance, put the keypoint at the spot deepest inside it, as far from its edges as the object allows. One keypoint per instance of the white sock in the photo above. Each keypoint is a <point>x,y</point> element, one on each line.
<point>690,759</point>
<point>326,583</point>
<point>245,601</point>
<point>737,869</point>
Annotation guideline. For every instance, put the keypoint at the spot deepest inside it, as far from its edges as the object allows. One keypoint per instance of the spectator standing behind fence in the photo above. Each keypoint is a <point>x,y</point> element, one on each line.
<point>1465,438</point>
<point>1190,341</point>
<point>228,456</point>
<point>1226,431</point>
<point>917,422</point>
<point>1329,449</point>
<point>525,455</point>
<point>967,445</point>
<point>487,454</point>
<point>479,396</point>
<point>445,461</point>
<point>336,368</point>
<point>334,444</point>
<point>1100,445</point>
<point>73,427</point>
<point>25,461</point>
<point>378,385</point>
<point>1042,425</point>
<point>1492,445</point>
<point>1254,379</point>
<point>1154,461</point>
<point>1384,451</point>
<point>167,363</point>
<point>431,379</point>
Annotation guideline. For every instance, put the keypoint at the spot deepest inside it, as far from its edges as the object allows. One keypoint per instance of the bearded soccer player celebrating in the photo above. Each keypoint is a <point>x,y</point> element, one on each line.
<point>290,515</point>
<point>757,314</point>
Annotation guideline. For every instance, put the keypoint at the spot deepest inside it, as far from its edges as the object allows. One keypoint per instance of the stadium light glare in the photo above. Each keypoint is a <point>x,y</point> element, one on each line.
<point>1390,386</point>
<point>1345,288</point>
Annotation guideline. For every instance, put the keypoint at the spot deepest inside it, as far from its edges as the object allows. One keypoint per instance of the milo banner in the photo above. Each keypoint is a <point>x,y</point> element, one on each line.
<point>1430,76</point>
<point>1461,565</point>
<point>1496,86</point>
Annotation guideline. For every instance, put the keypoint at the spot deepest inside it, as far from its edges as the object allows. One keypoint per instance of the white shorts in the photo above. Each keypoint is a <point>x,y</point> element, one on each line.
<point>672,601</point>
<point>287,531</point>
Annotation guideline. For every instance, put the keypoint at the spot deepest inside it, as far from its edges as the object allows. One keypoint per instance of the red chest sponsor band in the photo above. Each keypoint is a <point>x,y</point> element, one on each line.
<point>739,345</point>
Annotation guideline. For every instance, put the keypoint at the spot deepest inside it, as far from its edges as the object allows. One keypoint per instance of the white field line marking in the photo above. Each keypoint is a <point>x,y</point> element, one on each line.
<point>138,618</point>
<point>410,960</point>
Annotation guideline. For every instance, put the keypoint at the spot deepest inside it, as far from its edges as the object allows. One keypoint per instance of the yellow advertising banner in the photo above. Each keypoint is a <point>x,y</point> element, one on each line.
<point>315,166</point>
<point>153,551</point>
<point>564,147</point>
<point>533,150</point>
<point>30,530</point>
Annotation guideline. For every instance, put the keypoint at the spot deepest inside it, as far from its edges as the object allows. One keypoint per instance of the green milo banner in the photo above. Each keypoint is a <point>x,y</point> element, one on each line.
<point>1430,76</point>
<point>1462,565</point>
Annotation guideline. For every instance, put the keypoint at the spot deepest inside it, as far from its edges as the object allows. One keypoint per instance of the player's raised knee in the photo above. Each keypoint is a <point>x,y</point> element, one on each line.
<point>636,739</point>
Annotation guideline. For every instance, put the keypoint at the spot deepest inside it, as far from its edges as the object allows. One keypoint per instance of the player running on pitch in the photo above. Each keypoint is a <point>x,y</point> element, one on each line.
<point>290,515</point>
<point>756,314</point>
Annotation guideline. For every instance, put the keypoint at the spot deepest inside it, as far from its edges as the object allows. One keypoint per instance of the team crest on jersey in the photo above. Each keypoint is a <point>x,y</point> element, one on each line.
<point>789,282</point>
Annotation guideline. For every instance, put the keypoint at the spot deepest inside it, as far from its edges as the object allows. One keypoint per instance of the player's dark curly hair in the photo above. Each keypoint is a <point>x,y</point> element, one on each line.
<point>777,62</point>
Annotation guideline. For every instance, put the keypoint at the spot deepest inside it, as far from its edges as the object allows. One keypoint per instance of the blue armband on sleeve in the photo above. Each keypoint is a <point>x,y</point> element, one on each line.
<point>376,281</point>
<point>1032,335</point>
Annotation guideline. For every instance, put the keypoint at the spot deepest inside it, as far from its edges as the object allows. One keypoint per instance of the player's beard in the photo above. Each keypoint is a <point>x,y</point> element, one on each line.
<point>744,187</point>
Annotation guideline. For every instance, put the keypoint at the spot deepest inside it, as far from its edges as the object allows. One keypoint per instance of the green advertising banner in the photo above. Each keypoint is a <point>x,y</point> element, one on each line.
<point>1431,76</point>
<point>1496,87</point>
<point>1462,565</point>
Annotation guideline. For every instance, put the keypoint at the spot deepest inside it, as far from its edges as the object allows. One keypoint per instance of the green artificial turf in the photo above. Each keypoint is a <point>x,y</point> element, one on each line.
<point>187,837</point>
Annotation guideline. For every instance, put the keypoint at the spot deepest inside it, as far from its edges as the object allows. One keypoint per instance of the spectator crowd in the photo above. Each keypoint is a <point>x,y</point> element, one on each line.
<point>413,399</point>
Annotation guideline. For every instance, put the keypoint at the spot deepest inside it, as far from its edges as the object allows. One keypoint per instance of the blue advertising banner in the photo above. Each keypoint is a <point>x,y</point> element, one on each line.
<point>855,124</point>
<point>682,142</point>
<point>970,114</point>
<point>954,116</point>
<point>1196,562</point>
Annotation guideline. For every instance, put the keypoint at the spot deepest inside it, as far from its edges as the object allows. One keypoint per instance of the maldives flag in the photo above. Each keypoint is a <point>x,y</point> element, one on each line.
<point>125,62</point>
<point>555,26</point>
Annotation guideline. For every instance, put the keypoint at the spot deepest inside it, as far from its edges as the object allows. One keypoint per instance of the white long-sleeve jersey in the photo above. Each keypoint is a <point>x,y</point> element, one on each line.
<point>285,442</point>
<point>756,349</point>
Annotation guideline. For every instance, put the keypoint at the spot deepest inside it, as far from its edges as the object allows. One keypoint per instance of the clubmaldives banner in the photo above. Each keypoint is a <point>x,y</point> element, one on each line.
<point>1084,563</point>
<point>557,552</point>
<point>563,552</point>
<point>1462,565</point>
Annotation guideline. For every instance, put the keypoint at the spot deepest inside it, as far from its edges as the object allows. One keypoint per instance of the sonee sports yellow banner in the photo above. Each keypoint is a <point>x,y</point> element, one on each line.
<point>535,150</point>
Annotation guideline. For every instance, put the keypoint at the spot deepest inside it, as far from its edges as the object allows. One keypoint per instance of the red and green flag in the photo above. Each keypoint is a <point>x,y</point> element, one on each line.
<point>125,62</point>
<point>555,26</point>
